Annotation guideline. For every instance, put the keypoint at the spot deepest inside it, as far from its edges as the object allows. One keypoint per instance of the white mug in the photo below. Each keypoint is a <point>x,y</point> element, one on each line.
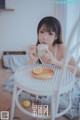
<point>41,48</point>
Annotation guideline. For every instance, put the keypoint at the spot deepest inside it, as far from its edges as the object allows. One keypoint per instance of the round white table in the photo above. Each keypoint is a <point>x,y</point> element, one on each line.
<point>24,81</point>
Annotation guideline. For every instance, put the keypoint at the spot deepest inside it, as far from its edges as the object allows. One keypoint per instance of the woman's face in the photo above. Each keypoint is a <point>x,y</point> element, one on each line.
<point>46,37</point>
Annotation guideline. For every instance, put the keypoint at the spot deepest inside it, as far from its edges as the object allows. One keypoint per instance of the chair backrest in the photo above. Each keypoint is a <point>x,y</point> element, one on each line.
<point>71,49</point>
<point>68,54</point>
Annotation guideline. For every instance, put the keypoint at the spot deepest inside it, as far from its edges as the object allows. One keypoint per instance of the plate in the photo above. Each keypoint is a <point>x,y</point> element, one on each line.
<point>45,74</point>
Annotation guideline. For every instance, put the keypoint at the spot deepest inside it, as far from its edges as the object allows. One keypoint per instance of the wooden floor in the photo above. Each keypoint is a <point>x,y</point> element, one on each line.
<point>6,98</point>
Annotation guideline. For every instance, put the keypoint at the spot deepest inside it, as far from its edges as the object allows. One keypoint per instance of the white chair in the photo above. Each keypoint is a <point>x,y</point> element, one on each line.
<point>57,91</point>
<point>68,54</point>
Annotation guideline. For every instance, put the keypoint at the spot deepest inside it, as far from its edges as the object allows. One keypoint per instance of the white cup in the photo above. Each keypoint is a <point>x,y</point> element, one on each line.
<point>41,48</point>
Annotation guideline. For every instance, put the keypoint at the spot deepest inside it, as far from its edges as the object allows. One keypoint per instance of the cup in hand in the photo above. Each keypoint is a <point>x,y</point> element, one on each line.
<point>41,48</point>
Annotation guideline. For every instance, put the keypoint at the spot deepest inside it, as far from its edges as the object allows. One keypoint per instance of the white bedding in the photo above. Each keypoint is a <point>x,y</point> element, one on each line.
<point>13,62</point>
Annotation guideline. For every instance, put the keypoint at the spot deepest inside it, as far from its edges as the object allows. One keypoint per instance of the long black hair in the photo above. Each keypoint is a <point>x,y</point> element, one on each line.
<point>51,24</point>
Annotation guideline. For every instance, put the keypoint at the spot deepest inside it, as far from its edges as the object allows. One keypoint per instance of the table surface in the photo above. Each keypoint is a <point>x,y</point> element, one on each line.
<point>25,80</point>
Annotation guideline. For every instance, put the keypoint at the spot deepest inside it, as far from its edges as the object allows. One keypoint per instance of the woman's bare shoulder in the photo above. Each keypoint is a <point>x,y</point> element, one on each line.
<point>61,47</point>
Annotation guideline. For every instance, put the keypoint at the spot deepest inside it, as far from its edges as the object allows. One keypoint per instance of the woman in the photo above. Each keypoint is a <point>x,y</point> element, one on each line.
<point>49,32</point>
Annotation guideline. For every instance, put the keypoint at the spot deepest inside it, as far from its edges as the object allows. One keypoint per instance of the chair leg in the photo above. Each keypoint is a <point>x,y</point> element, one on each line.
<point>13,102</point>
<point>53,108</point>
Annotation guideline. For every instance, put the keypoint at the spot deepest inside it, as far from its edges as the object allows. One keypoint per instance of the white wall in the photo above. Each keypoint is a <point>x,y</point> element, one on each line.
<point>18,28</point>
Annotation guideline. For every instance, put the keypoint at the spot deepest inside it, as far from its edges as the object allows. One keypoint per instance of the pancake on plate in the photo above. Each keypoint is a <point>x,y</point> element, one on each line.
<point>42,73</point>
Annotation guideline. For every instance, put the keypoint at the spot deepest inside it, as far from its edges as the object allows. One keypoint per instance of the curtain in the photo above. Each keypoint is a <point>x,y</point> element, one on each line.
<point>59,13</point>
<point>68,15</point>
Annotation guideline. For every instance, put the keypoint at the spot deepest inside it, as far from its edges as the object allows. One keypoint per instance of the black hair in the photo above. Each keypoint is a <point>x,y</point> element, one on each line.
<point>51,24</point>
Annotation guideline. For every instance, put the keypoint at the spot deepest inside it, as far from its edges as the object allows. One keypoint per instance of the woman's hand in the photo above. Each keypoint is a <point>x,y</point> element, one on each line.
<point>32,52</point>
<point>47,57</point>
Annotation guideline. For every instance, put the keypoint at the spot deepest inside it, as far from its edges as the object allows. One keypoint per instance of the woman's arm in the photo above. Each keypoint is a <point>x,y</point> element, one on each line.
<point>72,62</point>
<point>70,66</point>
<point>31,61</point>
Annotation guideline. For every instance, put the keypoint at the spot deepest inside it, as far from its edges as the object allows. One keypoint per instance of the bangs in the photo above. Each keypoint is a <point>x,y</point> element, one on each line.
<point>48,27</point>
